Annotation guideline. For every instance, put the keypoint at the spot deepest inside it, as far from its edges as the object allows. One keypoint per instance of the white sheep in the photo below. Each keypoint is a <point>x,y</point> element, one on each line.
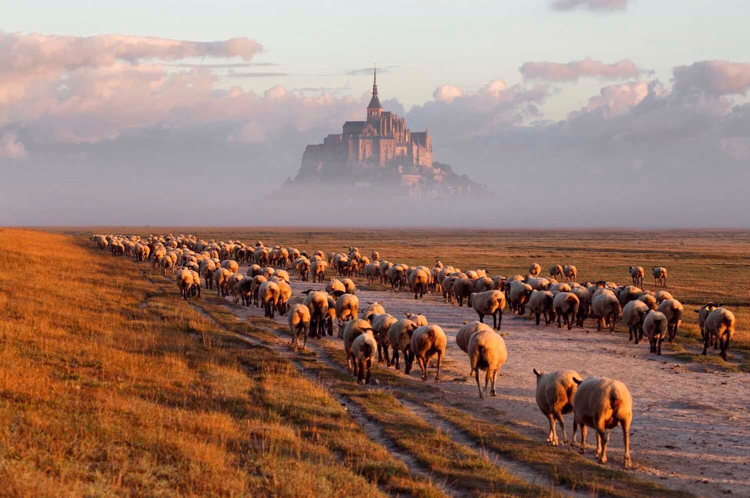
<point>487,351</point>
<point>269,294</point>
<point>317,303</point>
<point>380,325</point>
<point>673,310</point>
<point>570,272</point>
<point>636,274</point>
<point>602,404</point>
<point>299,323</point>
<point>463,336</point>
<point>427,342</point>
<point>347,306</point>
<point>606,308</point>
<point>519,296</point>
<point>352,330</point>
<point>363,352</point>
<point>554,396</point>
<point>720,324</point>
<point>633,314</point>
<point>660,275</point>
<point>655,328</point>
<point>556,270</point>
<point>703,313</point>
<point>491,302</point>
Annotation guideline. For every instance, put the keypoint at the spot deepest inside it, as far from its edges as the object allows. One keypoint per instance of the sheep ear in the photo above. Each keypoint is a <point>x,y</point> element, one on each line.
<point>577,381</point>
<point>697,311</point>
<point>537,373</point>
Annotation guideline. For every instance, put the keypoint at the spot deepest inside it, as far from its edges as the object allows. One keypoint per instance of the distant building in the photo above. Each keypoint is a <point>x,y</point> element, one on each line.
<point>380,151</point>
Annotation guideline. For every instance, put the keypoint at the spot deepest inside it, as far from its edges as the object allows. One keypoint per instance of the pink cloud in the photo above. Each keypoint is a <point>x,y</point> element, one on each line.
<point>593,5</point>
<point>617,99</point>
<point>11,147</point>
<point>572,71</point>
<point>712,78</point>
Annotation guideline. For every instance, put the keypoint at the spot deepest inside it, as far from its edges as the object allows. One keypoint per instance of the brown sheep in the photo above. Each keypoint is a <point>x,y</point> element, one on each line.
<point>427,342</point>
<point>487,351</point>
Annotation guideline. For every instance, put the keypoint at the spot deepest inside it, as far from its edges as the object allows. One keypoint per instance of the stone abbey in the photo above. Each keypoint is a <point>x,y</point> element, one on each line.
<point>382,140</point>
<point>381,152</point>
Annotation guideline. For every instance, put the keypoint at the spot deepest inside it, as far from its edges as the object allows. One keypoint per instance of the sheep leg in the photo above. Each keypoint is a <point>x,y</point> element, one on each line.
<point>493,378</point>
<point>724,346</point>
<point>626,442</point>
<point>394,360</point>
<point>368,365</point>
<point>408,360</point>
<point>481,317</point>
<point>439,362</point>
<point>560,419</point>
<point>604,436</point>
<point>380,352</point>
<point>569,320</point>
<point>538,315</point>
<point>479,386</point>
<point>658,346</point>
<point>559,320</point>
<point>499,319</point>
<point>551,436</point>
<point>583,439</point>
<point>575,429</point>
<point>304,344</point>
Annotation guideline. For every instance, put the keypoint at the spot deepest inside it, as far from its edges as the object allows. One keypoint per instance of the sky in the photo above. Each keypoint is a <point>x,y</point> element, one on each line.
<point>577,113</point>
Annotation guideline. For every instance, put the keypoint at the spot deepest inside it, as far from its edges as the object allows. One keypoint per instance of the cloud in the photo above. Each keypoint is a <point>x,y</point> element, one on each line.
<point>573,71</point>
<point>257,75</point>
<point>367,71</point>
<point>712,79</point>
<point>617,99</point>
<point>11,147</point>
<point>27,60</point>
<point>593,5</point>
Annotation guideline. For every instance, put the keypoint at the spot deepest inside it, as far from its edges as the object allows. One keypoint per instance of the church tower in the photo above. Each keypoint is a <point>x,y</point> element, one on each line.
<point>374,109</point>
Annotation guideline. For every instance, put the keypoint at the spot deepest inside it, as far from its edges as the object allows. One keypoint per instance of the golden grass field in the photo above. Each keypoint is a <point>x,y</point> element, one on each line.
<point>112,385</point>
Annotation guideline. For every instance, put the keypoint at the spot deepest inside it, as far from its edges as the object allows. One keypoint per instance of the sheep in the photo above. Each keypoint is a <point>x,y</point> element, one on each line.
<point>285,294</point>
<point>463,287</point>
<point>257,281</point>
<point>584,304</point>
<point>535,269</point>
<point>375,308</point>
<point>267,271</point>
<point>381,323</point>
<point>554,397</point>
<point>556,270</point>
<point>662,295</point>
<point>499,282</point>
<point>245,290</point>
<point>418,280</point>
<point>318,270</point>
<point>703,313</point>
<point>230,265</point>
<point>221,280</point>
<point>602,404</point>
<point>283,275</point>
<point>347,306</point>
<point>299,323</point>
<point>570,272</point>
<point>351,331</point>
<point>375,255</point>
<point>427,342</point>
<point>363,352</point>
<point>627,294</point>
<point>566,308</point>
<point>673,310</point>
<point>334,285</point>
<point>185,282</point>
<point>491,302</point>
<point>484,284</point>
<point>463,336</point>
<point>232,282</point>
<point>487,351</point>
<point>317,303</point>
<point>399,336</point>
<point>539,283</point>
<point>397,277</point>
<point>372,272</point>
<point>636,273</point>
<point>540,303</point>
<point>649,300</point>
<point>560,287</point>
<point>633,314</point>
<point>606,308</point>
<point>655,328</point>
<point>330,315</point>
<point>519,296</point>
<point>417,318</point>
<point>720,324</point>
<point>269,294</point>
<point>253,270</point>
<point>349,286</point>
<point>660,275</point>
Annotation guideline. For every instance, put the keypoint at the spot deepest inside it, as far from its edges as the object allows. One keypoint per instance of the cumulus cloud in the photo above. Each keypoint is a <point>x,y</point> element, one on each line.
<point>617,99</point>
<point>77,90</point>
<point>593,5</point>
<point>11,147</point>
<point>712,79</point>
<point>574,70</point>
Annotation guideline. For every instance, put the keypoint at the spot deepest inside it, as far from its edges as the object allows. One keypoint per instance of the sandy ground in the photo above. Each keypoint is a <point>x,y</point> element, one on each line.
<point>691,426</point>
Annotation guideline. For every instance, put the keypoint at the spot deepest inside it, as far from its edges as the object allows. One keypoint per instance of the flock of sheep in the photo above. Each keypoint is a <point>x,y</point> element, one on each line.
<point>596,402</point>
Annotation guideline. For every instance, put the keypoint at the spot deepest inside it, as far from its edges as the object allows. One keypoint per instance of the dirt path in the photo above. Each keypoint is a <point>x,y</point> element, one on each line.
<point>691,426</point>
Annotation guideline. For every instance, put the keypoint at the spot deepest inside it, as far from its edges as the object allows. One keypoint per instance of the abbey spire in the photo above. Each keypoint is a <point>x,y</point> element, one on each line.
<point>374,108</point>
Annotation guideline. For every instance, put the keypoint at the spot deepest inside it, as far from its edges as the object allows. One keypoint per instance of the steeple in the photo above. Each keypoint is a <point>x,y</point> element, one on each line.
<point>375,101</point>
